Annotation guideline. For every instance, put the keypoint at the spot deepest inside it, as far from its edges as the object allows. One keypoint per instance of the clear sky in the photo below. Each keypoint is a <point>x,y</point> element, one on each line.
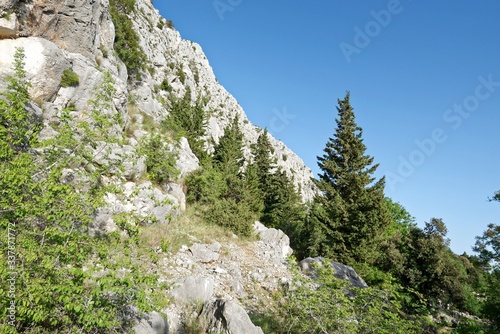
<point>424,78</point>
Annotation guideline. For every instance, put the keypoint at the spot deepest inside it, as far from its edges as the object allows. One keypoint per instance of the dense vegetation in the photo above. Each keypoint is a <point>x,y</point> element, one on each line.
<point>126,42</point>
<point>55,276</point>
<point>51,191</point>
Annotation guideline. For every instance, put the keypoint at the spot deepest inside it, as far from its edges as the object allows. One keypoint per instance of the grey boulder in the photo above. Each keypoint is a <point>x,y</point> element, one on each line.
<point>227,317</point>
<point>341,271</point>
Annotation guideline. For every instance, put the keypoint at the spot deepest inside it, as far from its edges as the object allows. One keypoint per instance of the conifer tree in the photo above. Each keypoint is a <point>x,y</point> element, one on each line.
<point>257,174</point>
<point>349,216</point>
<point>262,151</point>
<point>228,154</point>
<point>283,208</point>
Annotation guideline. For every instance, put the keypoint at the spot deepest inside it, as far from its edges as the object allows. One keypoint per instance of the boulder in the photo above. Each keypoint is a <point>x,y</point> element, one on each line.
<point>275,240</point>
<point>223,316</point>
<point>204,253</point>
<point>153,323</point>
<point>8,26</point>
<point>186,160</point>
<point>176,190</point>
<point>194,289</point>
<point>341,271</point>
<point>45,63</point>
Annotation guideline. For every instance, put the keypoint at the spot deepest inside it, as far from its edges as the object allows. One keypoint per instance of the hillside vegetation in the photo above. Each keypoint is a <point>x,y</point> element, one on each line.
<point>64,272</point>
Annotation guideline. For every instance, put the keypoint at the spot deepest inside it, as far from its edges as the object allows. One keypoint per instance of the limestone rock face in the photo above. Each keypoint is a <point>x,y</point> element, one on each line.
<point>341,271</point>
<point>194,289</point>
<point>8,26</point>
<point>78,26</point>
<point>45,63</point>
<point>153,323</point>
<point>227,317</point>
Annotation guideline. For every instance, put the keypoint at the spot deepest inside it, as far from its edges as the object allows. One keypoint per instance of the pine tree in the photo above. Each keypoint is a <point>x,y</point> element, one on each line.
<point>257,174</point>
<point>262,151</point>
<point>283,208</point>
<point>349,216</point>
<point>228,154</point>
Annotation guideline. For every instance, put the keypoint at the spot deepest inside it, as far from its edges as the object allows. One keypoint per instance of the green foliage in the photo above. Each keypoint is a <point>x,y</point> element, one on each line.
<point>205,185</point>
<point>160,160</point>
<point>233,200</point>
<point>283,210</point>
<point>496,196</point>
<point>231,214</point>
<point>63,279</point>
<point>467,326</point>
<point>401,219</point>
<point>165,85</point>
<point>352,216</point>
<point>330,305</point>
<point>488,246</point>
<point>228,154</point>
<point>6,15</point>
<point>18,127</point>
<point>188,120</point>
<point>69,78</point>
<point>160,24</point>
<point>427,269</point>
<point>180,73</point>
<point>126,42</point>
<point>492,304</point>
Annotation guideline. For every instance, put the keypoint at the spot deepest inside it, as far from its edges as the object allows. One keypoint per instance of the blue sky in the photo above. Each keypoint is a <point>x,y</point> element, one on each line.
<point>424,79</point>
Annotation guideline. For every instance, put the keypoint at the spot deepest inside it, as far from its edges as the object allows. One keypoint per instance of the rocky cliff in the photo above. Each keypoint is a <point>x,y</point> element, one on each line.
<point>79,36</point>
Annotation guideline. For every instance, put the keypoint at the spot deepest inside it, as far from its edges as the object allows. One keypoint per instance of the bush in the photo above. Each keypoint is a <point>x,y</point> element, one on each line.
<point>330,305</point>
<point>127,44</point>
<point>232,215</point>
<point>59,284</point>
<point>160,161</point>
<point>165,86</point>
<point>69,78</point>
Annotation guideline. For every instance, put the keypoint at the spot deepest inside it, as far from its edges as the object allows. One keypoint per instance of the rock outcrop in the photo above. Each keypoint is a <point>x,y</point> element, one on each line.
<point>226,277</point>
<point>153,323</point>
<point>224,316</point>
<point>341,271</point>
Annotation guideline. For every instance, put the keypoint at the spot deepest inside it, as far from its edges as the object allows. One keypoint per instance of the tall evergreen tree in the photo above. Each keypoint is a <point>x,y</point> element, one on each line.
<point>257,174</point>
<point>228,154</point>
<point>349,216</point>
<point>283,208</point>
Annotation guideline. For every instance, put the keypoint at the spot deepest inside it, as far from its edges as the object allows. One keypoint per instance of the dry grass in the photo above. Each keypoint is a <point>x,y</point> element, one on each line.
<point>188,228</point>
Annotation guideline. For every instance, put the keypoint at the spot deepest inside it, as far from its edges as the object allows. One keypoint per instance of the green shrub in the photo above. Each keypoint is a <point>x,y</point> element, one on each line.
<point>69,78</point>
<point>165,86</point>
<point>181,74</point>
<point>227,213</point>
<point>160,161</point>
<point>331,305</point>
<point>127,44</point>
<point>160,24</point>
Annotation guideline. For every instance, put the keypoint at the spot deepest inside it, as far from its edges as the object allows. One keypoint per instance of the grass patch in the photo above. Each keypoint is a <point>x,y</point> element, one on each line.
<point>69,78</point>
<point>188,228</point>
